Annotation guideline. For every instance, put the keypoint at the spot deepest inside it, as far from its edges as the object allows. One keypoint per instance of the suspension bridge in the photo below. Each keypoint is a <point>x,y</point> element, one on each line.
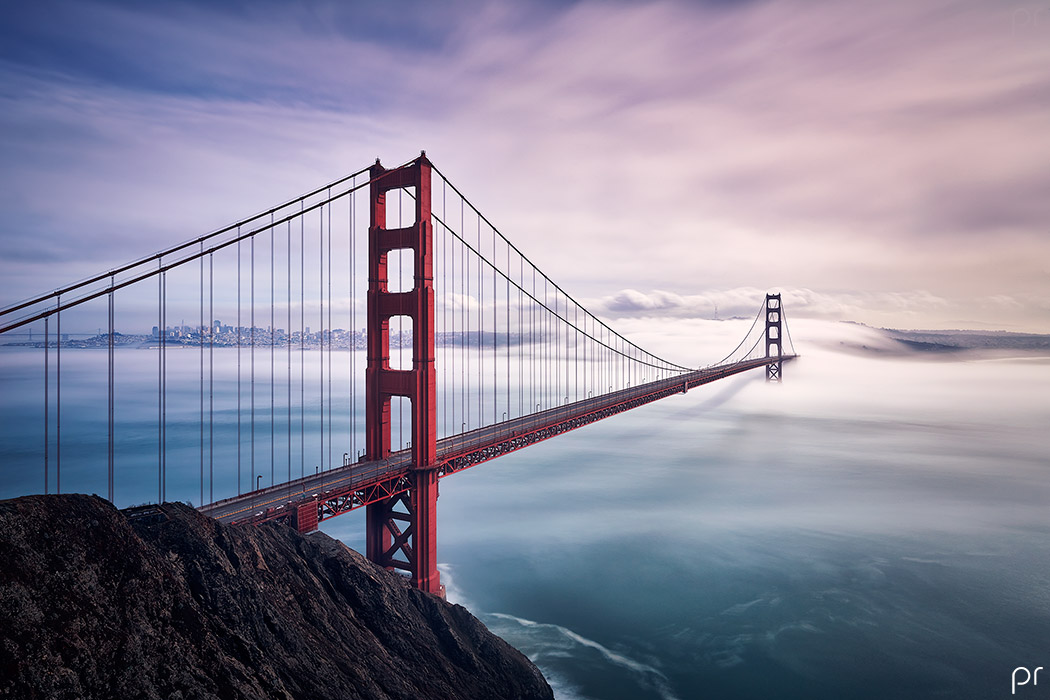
<point>470,352</point>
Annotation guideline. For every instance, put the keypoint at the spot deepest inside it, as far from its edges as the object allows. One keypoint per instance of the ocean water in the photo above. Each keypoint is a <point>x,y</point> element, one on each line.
<point>873,527</point>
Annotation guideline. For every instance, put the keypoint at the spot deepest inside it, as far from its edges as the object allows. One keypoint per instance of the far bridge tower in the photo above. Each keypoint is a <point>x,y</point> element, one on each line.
<point>773,328</point>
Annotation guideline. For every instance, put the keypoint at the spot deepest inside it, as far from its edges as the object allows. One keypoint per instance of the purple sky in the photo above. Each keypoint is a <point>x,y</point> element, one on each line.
<point>881,162</point>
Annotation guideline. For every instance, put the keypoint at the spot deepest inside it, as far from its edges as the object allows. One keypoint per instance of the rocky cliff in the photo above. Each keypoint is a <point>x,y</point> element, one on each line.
<point>169,604</point>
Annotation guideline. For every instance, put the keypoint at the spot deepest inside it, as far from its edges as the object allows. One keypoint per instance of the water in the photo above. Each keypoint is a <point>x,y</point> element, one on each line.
<point>871,528</point>
<point>874,527</point>
<point>213,461</point>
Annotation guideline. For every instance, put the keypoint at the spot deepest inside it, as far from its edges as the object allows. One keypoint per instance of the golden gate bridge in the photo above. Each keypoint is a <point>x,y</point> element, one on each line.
<point>471,352</point>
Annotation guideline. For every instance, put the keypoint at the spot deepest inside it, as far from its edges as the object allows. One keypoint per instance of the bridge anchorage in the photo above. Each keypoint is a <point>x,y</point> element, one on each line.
<point>501,358</point>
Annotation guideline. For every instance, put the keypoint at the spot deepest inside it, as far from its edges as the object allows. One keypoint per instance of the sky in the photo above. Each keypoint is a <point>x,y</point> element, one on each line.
<point>886,163</point>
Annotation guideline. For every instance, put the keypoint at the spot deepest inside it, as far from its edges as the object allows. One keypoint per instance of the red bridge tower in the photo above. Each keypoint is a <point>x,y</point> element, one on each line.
<point>773,346</point>
<point>405,523</point>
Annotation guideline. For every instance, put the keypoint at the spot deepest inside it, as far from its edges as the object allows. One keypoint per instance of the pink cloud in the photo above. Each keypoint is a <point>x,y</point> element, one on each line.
<point>862,152</point>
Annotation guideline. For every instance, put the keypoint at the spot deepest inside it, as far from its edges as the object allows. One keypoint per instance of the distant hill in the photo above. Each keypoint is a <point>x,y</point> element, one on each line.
<point>165,603</point>
<point>940,341</point>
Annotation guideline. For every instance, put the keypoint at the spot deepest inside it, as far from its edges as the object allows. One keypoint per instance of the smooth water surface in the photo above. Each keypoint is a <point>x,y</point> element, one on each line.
<point>870,528</point>
<point>874,527</point>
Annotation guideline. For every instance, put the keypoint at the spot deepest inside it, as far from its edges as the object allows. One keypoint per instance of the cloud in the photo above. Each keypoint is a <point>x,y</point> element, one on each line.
<point>917,309</point>
<point>746,301</point>
<point>775,143</point>
<point>851,154</point>
<point>630,300</point>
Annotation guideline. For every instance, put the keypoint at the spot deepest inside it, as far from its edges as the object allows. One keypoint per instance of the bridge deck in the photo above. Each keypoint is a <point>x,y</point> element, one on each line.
<point>357,484</point>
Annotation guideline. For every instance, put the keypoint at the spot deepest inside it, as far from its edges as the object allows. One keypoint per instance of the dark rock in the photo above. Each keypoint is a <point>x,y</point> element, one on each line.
<point>163,602</point>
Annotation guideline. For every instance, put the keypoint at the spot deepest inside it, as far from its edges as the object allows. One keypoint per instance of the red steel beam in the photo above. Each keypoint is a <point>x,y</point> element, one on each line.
<point>375,484</point>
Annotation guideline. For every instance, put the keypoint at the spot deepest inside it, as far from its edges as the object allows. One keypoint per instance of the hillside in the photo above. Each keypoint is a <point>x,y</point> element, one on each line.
<point>970,340</point>
<point>170,604</point>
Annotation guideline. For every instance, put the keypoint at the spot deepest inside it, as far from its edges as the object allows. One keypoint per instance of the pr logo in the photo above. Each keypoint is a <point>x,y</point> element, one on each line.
<point>1032,676</point>
<point>1029,18</point>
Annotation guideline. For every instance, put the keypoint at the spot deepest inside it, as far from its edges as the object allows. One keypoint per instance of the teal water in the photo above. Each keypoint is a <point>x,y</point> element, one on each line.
<point>871,528</point>
<point>868,529</point>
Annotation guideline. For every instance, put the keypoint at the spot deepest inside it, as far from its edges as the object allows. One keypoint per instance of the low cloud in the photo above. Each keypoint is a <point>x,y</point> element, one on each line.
<point>911,309</point>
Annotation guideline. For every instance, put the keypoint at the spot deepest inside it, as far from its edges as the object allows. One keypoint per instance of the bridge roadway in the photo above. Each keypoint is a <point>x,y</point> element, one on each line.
<point>356,484</point>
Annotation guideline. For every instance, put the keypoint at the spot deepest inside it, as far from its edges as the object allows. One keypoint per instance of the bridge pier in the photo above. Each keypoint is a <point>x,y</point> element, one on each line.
<point>773,340</point>
<point>405,522</point>
<point>306,516</point>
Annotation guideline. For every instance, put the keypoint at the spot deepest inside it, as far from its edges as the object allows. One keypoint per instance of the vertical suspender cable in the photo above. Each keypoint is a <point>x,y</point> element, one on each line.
<point>563,357</point>
<point>200,338</point>
<point>320,340</point>
<point>47,401</point>
<point>506,335</point>
<point>560,333</point>
<point>440,270</point>
<point>560,357</point>
<point>458,330</point>
<point>496,336</point>
<point>302,339</point>
<point>251,357</point>
<point>273,331</point>
<point>447,300</point>
<point>329,327</point>
<point>400,327</point>
<point>541,367</point>
<point>464,286</point>
<point>211,378</point>
<point>58,398</point>
<point>238,361</point>
<point>555,364</point>
<point>552,349</point>
<point>557,352</point>
<point>112,397</point>
<point>521,333</point>
<point>320,336</point>
<point>164,387</point>
<point>160,365</point>
<point>353,331</point>
<point>495,353</point>
<point>481,332</point>
<point>288,345</point>
<point>459,422</point>
<point>441,314</point>
<point>572,368</point>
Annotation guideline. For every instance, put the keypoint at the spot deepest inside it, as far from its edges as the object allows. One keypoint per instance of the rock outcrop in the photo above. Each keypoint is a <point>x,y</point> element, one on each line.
<point>166,603</point>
